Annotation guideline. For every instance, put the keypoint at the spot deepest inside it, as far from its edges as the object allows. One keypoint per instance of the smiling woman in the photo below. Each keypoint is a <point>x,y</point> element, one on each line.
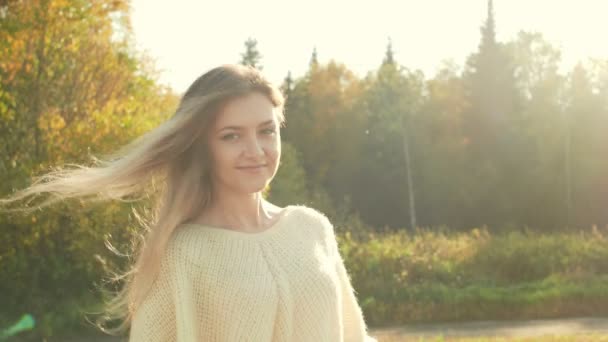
<point>244,147</point>
<point>218,262</point>
<point>245,141</point>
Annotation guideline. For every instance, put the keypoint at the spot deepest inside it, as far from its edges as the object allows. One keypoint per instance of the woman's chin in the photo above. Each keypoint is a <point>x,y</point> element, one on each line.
<point>255,186</point>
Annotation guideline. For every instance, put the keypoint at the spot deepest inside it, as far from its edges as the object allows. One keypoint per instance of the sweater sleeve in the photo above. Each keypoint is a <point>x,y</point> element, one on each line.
<point>354,326</point>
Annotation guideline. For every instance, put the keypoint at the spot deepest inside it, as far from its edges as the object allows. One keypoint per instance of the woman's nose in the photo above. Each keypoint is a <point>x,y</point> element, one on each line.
<point>254,147</point>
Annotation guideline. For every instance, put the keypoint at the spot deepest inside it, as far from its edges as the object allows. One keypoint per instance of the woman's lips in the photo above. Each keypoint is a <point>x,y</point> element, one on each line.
<point>252,168</point>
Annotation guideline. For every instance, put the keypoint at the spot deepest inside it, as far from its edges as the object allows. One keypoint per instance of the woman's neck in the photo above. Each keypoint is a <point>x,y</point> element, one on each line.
<point>250,212</point>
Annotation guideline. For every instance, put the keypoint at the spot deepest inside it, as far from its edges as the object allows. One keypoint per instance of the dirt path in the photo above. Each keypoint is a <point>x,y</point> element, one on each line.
<point>569,326</point>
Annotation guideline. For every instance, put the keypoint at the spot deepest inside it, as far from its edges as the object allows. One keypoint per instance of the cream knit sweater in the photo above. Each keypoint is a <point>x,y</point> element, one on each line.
<point>286,283</point>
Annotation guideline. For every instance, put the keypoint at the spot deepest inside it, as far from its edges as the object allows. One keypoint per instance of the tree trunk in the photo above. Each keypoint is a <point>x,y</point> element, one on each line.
<point>408,172</point>
<point>567,171</point>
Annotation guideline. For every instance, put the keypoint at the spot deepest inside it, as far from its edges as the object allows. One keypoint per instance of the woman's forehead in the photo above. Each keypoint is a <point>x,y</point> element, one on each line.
<point>251,110</point>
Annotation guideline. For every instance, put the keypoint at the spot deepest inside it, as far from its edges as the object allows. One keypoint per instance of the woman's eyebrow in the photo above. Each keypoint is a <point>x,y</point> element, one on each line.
<point>240,127</point>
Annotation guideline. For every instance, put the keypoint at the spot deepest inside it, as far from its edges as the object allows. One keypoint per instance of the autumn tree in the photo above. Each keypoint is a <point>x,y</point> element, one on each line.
<point>71,87</point>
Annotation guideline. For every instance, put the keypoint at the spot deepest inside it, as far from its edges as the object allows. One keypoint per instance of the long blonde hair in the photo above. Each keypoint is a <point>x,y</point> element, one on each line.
<point>174,156</point>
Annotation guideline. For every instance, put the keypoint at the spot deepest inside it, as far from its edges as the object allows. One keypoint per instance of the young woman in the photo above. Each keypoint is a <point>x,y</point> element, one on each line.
<point>219,262</point>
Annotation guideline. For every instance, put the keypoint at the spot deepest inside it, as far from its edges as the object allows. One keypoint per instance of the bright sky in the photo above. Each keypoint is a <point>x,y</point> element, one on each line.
<point>189,37</point>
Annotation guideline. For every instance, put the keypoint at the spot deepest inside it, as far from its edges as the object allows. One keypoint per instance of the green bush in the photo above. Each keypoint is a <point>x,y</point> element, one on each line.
<point>54,260</point>
<point>436,275</point>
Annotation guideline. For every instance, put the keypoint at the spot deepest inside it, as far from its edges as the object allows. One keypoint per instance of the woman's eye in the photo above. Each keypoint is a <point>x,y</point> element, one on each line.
<point>234,136</point>
<point>230,136</point>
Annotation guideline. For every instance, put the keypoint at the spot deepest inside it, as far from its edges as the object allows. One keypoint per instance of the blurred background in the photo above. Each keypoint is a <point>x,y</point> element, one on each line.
<point>458,147</point>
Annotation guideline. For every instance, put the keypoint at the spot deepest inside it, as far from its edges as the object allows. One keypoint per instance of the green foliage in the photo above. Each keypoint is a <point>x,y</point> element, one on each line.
<point>507,141</point>
<point>289,185</point>
<point>436,274</point>
<point>55,259</point>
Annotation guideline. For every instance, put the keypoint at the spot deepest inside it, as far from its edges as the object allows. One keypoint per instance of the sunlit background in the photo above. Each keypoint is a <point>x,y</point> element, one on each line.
<point>188,37</point>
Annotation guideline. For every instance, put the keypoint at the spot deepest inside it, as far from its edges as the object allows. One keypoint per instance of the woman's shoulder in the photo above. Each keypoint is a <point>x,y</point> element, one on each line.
<point>298,207</point>
<point>314,213</point>
<point>313,216</point>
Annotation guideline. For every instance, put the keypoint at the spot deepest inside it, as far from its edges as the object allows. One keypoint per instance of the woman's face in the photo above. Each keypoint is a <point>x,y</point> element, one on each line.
<point>245,145</point>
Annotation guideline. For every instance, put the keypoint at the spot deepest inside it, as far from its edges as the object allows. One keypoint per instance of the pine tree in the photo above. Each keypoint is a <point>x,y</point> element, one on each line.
<point>488,30</point>
<point>313,59</point>
<point>287,85</point>
<point>389,56</point>
<point>492,87</point>
<point>252,56</point>
<point>490,122</point>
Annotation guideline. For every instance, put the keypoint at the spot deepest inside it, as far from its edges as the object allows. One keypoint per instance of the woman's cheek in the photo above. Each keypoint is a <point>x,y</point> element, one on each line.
<point>274,149</point>
<point>276,155</point>
<point>224,155</point>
